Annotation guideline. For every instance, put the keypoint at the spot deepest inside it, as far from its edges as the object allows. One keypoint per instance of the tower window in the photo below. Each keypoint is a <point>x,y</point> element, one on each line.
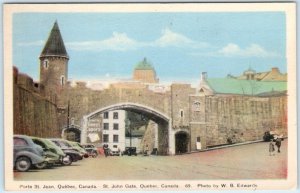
<point>62,80</point>
<point>46,64</point>
<point>181,113</point>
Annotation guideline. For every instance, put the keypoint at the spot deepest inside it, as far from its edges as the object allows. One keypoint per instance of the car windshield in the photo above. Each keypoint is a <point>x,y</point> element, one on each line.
<point>40,143</point>
<point>65,143</point>
<point>79,145</point>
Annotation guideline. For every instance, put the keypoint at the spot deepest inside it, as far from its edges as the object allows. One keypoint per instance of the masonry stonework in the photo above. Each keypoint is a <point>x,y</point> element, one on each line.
<point>33,114</point>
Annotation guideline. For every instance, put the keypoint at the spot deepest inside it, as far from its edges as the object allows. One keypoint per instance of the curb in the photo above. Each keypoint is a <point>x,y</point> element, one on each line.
<point>225,146</point>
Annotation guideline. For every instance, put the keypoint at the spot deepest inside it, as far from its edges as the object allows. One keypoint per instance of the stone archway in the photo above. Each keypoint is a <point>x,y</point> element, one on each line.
<point>181,142</point>
<point>72,133</point>
<point>163,121</point>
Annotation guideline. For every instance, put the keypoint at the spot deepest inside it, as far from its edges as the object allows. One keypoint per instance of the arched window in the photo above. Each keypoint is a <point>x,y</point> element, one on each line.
<point>196,106</point>
<point>62,80</point>
<point>181,113</point>
<point>46,64</point>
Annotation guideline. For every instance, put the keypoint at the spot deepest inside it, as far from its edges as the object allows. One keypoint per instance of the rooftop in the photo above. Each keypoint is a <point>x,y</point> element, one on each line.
<point>55,45</point>
<point>144,65</point>
<point>245,87</point>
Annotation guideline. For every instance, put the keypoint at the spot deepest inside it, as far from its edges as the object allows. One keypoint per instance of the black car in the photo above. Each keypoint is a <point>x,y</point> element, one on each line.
<point>72,155</point>
<point>130,151</point>
<point>91,150</point>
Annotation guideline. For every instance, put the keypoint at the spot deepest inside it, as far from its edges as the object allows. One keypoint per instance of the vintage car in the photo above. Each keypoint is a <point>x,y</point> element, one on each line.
<point>130,151</point>
<point>72,155</point>
<point>115,151</point>
<point>81,150</point>
<point>26,153</point>
<point>58,151</point>
<point>50,154</point>
<point>91,150</point>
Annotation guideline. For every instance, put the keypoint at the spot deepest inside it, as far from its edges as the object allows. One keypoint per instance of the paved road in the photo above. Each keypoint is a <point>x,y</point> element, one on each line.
<point>250,161</point>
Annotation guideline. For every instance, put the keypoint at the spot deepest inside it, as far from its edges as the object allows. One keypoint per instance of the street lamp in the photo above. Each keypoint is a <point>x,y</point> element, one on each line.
<point>128,125</point>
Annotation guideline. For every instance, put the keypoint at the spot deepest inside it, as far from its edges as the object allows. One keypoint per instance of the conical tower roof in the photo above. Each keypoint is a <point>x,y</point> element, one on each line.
<point>55,45</point>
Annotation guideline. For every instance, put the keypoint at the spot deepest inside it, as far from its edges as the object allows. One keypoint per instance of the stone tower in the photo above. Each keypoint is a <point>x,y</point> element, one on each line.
<point>144,72</point>
<point>54,67</point>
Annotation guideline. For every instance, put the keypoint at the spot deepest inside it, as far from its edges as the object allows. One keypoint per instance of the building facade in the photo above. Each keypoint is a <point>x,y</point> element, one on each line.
<point>113,129</point>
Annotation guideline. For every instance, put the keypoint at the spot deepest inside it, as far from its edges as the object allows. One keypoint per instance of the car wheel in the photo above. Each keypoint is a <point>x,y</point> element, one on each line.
<point>41,165</point>
<point>67,160</point>
<point>94,155</point>
<point>50,165</point>
<point>23,164</point>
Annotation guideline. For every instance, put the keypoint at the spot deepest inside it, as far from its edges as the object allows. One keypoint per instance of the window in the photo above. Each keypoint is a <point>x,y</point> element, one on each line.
<point>181,113</point>
<point>105,126</point>
<point>116,138</point>
<point>116,126</point>
<point>39,143</point>
<point>115,146</point>
<point>116,115</point>
<point>19,141</point>
<point>105,115</point>
<point>198,139</point>
<point>196,106</point>
<point>105,138</point>
<point>62,80</point>
<point>46,64</point>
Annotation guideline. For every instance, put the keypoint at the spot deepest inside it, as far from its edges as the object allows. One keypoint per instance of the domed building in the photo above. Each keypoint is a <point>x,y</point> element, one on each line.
<point>144,72</point>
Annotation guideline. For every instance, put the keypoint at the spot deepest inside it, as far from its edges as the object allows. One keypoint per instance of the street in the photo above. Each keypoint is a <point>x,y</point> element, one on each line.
<point>250,161</point>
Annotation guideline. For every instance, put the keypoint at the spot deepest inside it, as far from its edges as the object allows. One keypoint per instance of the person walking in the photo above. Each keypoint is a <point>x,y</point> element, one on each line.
<point>278,143</point>
<point>271,148</point>
<point>105,147</point>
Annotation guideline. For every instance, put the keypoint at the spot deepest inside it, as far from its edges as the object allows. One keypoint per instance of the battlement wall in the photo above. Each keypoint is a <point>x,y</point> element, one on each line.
<point>33,113</point>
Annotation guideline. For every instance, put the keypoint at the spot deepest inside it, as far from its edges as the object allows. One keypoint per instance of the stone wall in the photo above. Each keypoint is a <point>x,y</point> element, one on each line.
<point>180,104</point>
<point>34,115</point>
<point>84,101</point>
<point>223,119</point>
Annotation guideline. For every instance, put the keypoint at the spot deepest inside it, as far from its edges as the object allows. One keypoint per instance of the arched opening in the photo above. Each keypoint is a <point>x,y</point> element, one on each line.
<point>72,134</point>
<point>181,142</point>
<point>97,127</point>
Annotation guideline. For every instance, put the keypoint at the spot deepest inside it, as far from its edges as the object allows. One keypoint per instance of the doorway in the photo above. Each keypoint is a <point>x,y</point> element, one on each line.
<point>181,142</point>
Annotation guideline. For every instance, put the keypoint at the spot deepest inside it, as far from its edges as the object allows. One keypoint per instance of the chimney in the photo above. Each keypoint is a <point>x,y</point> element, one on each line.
<point>203,76</point>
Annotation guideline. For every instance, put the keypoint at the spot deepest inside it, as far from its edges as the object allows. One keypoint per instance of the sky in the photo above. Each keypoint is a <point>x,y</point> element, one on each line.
<point>180,46</point>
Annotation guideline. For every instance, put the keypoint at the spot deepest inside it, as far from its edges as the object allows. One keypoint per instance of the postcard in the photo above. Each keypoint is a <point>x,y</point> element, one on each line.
<point>150,96</point>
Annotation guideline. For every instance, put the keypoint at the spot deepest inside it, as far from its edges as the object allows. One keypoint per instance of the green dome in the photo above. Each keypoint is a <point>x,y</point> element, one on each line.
<point>143,65</point>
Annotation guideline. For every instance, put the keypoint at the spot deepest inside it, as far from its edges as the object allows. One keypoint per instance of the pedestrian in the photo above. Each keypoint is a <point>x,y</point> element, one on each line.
<point>278,143</point>
<point>105,147</point>
<point>271,148</point>
<point>146,150</point>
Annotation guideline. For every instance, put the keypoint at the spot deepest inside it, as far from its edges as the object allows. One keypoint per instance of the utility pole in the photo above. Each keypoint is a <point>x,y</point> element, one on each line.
<point>68,118</point>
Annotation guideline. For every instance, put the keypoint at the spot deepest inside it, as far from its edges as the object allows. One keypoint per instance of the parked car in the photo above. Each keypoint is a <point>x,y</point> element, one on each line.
<point>26,153</point>
<point>130,151</point>
<point>50,154</point>
<point>81,150</point>
<point>58,150</point>
<point>91,150</point>
<point>115,151</point>
<point>72,155</point>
